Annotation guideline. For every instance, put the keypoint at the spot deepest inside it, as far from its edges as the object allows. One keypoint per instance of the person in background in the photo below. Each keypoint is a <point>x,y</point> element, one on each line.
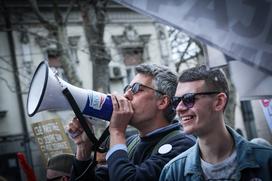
<point>145,105</point>
<point>220,152</point>
<point>59,167</point>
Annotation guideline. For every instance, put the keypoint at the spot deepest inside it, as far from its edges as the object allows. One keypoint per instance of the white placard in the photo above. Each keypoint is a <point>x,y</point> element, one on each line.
<point>267,109</point>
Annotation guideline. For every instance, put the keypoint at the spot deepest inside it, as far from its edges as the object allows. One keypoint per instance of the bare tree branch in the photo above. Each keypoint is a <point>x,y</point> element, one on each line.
<point>49,26</point>
<point>181,59</point>
<point>4,60</point>
<point>11,88</point>
<point>71,5</point>
<point>93,14</point>
<point>6,69</point>
<point>57,13</point>
<point>22,75</point>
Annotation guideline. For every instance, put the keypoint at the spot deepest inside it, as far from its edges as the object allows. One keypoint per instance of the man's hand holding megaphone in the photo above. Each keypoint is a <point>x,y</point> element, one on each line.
<point>80,138</point>
<point>121,116</point>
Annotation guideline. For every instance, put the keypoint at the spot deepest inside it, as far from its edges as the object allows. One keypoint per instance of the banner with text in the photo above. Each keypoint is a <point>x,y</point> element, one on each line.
<point>241,29</point>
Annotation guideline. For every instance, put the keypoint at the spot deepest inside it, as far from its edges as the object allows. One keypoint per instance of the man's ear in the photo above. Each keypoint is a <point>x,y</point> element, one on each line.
<point>221,101</point>
<point>163,102</point>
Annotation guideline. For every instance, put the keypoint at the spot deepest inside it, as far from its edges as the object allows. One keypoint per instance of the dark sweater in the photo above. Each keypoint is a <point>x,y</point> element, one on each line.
<point>143,166</point>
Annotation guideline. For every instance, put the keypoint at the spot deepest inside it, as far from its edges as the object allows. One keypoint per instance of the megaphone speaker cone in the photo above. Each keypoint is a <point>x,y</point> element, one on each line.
<point>45,93</point>
<point>37,89</point>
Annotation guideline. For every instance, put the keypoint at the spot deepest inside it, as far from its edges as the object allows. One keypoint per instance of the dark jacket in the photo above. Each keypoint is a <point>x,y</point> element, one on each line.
<point>143,165</point>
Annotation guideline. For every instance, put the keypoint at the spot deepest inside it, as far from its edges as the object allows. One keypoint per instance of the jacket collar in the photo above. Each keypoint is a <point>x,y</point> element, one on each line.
<point>193,164</point>
<point>245,155</point>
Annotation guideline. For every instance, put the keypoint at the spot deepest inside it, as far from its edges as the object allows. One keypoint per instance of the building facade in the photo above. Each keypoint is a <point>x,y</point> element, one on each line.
<point>130,39</point>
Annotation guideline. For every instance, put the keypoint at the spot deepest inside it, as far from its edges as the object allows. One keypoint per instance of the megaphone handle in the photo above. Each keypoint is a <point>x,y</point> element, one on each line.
<point>80,117</point>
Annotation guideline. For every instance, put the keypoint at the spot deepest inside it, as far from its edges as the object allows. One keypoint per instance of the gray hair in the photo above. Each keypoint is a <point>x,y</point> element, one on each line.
<point>165,81</point>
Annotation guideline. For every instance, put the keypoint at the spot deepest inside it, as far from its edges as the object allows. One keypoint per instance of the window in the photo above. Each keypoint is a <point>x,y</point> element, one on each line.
<point>55,65</point>
<point>133,56</point>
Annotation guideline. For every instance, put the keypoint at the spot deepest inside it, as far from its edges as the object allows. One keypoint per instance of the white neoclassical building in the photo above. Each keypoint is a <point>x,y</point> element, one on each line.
<point>130,39</point>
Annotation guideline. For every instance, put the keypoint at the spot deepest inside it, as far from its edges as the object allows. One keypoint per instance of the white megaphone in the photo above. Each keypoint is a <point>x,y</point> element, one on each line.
<point>45,93</point>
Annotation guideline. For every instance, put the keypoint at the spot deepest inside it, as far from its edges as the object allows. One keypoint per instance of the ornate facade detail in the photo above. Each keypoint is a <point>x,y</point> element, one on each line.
<point>130,40</point>
<point>162,37</point>
<point>73,42</point>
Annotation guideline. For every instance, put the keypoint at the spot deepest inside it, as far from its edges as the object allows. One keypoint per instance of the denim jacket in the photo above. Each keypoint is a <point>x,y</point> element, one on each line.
<point>254,163</point>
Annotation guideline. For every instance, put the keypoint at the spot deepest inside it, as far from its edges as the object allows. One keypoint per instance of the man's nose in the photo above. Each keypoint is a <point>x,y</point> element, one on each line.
<point>181,107</point>
<point>128,94</point>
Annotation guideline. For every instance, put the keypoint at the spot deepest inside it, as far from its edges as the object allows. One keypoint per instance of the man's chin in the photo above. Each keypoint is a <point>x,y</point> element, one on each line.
<point>131,123</point>
<point>188,130</point>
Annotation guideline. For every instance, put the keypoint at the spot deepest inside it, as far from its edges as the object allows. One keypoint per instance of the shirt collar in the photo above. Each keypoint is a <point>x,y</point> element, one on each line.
<point>163,129</point>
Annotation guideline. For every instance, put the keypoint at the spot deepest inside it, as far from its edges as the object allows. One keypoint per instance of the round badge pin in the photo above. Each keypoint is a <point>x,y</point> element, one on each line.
<point>165,149</point>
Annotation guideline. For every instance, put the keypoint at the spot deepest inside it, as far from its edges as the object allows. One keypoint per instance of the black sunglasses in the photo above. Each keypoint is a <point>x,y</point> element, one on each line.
<point>189,99</point>
<point>136,88</point>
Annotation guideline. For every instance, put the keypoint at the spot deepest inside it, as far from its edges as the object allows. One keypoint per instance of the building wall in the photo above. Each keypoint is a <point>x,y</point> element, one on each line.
<point>152,49</point>
<point>31,53</point>
<point>239,123</point>
<point>10,123</point>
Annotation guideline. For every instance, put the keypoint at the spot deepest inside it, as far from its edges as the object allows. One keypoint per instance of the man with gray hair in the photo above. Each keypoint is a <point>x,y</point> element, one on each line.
<point>145,105</point>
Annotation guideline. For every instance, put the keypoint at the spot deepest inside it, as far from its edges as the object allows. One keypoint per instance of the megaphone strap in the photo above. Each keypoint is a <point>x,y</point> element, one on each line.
<point>80,117</point>
<point>82,120</point>
<point>102,139</point>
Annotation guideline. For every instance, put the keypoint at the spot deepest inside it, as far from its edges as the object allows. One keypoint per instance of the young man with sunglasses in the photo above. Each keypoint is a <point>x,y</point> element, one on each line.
<point>145,105</point>
<point>220,153</point>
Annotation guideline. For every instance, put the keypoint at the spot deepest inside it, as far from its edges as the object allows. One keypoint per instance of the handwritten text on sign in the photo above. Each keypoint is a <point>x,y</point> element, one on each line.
<point>51,138</point>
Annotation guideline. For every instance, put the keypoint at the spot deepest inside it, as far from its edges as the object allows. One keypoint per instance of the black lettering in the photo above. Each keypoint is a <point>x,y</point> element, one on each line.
<point>218,12</point>
<point>258,22</point>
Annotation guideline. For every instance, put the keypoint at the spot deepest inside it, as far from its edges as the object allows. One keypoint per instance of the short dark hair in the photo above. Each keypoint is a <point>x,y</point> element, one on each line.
<point>164,80</point>
<point>215,79</point>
